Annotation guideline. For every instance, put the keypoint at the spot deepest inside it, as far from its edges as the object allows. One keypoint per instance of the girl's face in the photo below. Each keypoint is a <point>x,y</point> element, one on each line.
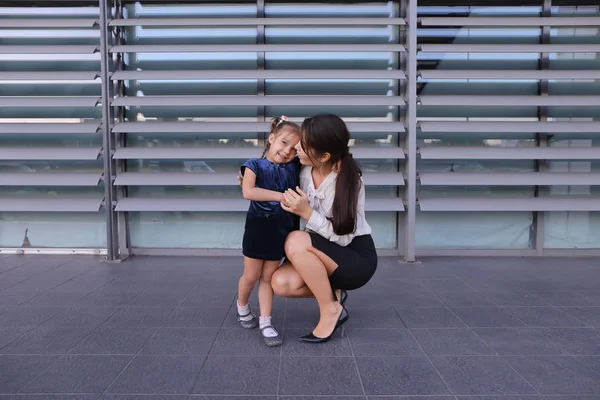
<point>282,148</point>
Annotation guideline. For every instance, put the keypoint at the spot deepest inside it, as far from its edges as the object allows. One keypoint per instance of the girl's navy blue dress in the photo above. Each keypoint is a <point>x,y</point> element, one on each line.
<point>267,224</point>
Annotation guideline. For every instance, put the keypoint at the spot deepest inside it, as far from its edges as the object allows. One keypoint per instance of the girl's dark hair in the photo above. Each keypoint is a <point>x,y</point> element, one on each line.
<point>327,133</point>
<point>277,124</point>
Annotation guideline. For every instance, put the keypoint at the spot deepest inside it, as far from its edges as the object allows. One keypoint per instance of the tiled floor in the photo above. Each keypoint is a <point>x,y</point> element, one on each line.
<point>164,328</point>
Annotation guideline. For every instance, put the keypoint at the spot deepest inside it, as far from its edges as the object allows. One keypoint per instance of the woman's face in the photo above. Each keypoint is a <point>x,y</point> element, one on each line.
<point>302,156</point>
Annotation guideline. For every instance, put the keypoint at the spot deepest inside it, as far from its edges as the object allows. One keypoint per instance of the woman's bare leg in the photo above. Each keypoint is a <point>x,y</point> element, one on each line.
<point>315,275</point>
<point>286,282</point>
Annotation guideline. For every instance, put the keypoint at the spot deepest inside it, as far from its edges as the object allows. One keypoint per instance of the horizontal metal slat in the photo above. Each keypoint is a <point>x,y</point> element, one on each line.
<point>224,179</point>
<point>508,178</point>
<point>50,128</point>
<point>187,101</point>
<point>212,205</point>
<point>49,49</point>
<point>25,101</point>
<point>510,48</point>
<point>511,204</point>
<point>510,21</point>
<point>258,74</point>
<point>50,204</point>
<point>49,153</point>
<point>48,75</point>
<point>253,48</point>
<point>510,126</point>
<point>199,22</point>
<point>230,127</point>
<point>509,74</point>
<point>510,101</point>
<point>197,153</point>
<point>63,23</point>
<point>50,179</point>
<point>510,153</point>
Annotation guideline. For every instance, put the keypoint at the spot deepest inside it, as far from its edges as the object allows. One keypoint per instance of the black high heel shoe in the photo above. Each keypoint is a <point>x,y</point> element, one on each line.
<point>311,338</point>
<point>343,296</point>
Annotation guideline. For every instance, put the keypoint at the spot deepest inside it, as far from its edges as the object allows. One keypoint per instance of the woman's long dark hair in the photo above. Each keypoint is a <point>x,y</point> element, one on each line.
<point>327,133</point>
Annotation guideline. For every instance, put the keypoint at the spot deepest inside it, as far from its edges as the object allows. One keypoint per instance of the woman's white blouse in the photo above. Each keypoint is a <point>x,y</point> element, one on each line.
<point>321,201</point>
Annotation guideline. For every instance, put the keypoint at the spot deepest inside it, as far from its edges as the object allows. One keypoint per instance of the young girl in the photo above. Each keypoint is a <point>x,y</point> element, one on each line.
<point>267,224</point>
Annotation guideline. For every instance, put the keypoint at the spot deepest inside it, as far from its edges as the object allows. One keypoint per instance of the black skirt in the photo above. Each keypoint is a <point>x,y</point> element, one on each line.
<point>265,234</point>
<point>356,262</point>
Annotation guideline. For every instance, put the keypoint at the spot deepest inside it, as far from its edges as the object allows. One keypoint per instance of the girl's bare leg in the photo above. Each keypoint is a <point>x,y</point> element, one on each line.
<point>265,291</point>
<point>252,272</point>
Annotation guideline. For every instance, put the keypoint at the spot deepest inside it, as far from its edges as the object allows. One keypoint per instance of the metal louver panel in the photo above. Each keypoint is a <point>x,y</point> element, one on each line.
<point>280,48</point>
<point>510,101</point>
<point>50,128</point>
<point>170,153</point>
<point>509,178</point>
<point>51,179</point>
<point>255,21</point>
<point>30,101</point>
<point>53,204</point>
<point>49,153</point>
<point>510,126</point>
<point>30,23</point>
<point>510,48</point>
<point>511,204</point>
<point>49,49</point>
<point>225,179</point>
<point>509,74</point>
<point>512,21</point>
<point>158,127</point>
<point>257,74</point>
<point>219,205</point>
<point>509,153</point>
<point>48,76</point>
<point>184,101</point>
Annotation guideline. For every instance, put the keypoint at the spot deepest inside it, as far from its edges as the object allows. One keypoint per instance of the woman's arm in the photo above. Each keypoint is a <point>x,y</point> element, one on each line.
<point>251,192</point>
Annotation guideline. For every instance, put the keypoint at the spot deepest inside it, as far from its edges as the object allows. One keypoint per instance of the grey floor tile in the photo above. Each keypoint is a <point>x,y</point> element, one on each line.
<point>48,339</point>
<point>447,285</point>
<point>327,376</point>
<point>544,317</point>
<point>105,340</point>
<point>576,341</point>
<point>10,333</point>
<point>108,297</point>
<point>181,341</point>
<point>518,341</point>
<point>460,341</point>
<point>557,375</point>
<point>589,315</point>
<point>298,317</point>
<point>209,298</point>
<point>56,298</point>
<point>574,397</point>
<point>380,376</point>
<point>292,347</point>
<point>412,299</point>
<point>56,397</point>
<point>18,370</point>
<point>145,397</point>
<point>429,318</point>
<point>159,374</point>
<point>383,343</point>
<point>373,317</point>
<point>129,317</point>
<point>522,397</point>
<point>78,374</point>
<point>564,298</point>
<point>592,362</point>
<point>413,398</point>
<point>480,375</point>
<point>238,375</point>
<point>227,397</point>
<point>83,315</point>
<point>21,316</point>
<point>158,299</point>
<point>465,299</point>
<point>242,342</point>
<point>515,298</point>
<point>197,317</point>
<point>487,317</point>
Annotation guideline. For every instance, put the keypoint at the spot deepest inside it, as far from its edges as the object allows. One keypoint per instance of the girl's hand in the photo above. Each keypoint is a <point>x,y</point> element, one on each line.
<point>296,202</point>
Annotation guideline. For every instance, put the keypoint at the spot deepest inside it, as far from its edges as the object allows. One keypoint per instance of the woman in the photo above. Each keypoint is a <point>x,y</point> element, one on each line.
<point>336,252</point>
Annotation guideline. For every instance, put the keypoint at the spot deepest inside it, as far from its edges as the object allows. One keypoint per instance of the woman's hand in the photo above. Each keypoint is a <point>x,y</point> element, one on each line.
<point>240,178</point>
<point>296,202</point>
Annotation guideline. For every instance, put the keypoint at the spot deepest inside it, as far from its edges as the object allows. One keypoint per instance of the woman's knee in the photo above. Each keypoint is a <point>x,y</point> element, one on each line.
<point>297,242</point>
<point>281,284</point>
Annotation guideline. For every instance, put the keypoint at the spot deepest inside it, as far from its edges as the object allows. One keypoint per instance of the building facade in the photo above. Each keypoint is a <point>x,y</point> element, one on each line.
<point>123,124</point>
